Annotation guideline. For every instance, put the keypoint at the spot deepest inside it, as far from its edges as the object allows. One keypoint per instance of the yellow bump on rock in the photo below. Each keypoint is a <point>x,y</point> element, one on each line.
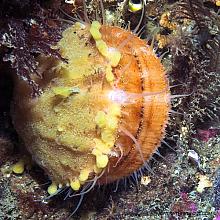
<point>52,189</point>
<point>113,56</point>
<point>112,123</point>
<point>102,47</point>
<point>75,185</point>
<point>101,147</point>
<point>145,180</point>
<point>84,175</point>
<point>204,182</point>
<point>114,110</point>
<point>18,168</point>
<point>109,75</point>
<point>107,136</point>
<point>217,3</point>
<point>100,119</point>
<point>95,33</point>
<point>102,161</point>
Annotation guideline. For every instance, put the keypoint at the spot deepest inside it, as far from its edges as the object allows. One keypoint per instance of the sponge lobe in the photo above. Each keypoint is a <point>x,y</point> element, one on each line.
<point>59,127</point>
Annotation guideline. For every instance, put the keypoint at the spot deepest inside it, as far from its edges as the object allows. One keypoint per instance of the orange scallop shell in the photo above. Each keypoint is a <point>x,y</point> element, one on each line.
<point>147,117</point>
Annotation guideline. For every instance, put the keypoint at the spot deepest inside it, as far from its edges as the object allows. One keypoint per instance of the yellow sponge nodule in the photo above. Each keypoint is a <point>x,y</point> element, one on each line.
<point>62,91</point>
<point>109,75</point>
<point>75,185</point>
<point>96,24</point>
<point>114,56</point>
<point>100,119</point>
<point>102,161</point>
<point>18,168</point>
<point>52,189</point>
<point>95,33</point>
<point>84,175</point>
<point>102,47</point>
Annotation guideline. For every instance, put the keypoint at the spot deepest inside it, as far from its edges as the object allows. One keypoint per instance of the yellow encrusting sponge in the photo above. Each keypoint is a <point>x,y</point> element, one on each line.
<point>18,168</point>
<point>52,189</point>
<point>108,124</point>
<point>84,175</point>
<point>73,122</point>
<point>109,75</point>
<point>113,55</point>
<point>100,119</point>
<point>65,91</point>
<point>101,161</point>
<point>75,185</point>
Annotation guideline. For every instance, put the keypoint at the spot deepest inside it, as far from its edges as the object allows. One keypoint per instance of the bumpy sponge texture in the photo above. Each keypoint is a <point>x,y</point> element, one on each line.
<point>64,126</point>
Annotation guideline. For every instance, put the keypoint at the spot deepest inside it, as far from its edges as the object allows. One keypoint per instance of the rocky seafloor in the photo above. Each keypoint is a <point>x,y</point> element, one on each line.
<point>183,181</point>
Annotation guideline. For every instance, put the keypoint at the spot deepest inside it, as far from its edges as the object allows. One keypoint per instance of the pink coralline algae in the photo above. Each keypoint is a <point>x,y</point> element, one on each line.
<point>189,204</point>
<point>205,135</point>
<point>217,216</point>
<point>185,205</point>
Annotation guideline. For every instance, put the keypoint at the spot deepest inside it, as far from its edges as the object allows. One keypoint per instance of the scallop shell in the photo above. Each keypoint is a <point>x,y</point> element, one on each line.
<point>147,117</point>
<point>60,129</point>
